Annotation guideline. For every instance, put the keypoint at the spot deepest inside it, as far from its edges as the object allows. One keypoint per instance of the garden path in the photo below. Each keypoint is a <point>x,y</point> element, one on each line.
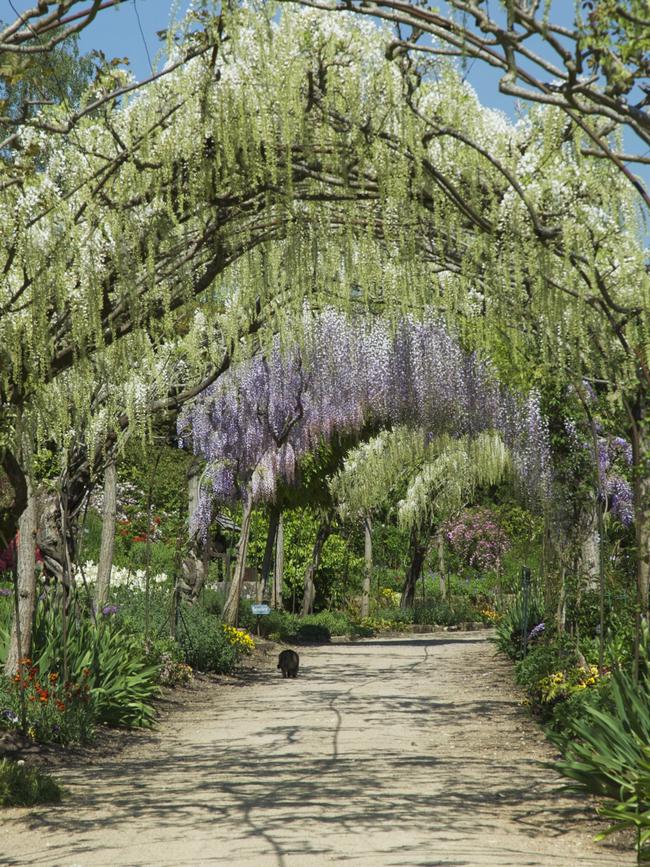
<point>409,751</point>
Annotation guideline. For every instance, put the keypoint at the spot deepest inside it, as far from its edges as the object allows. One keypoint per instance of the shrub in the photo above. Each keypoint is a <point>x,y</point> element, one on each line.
<point>510,629</point>
<point>312,633</point>
<point>24,786</point>
<point>607,753</point>
<point>398,618</point>
<point>239,639</point>
<point>362,630</point>
<point>368,626</point>
<point>283,626</point>
<point>446,612</point>
<point>204,642</point>
<point>174,673</point>
<point>336,622</point>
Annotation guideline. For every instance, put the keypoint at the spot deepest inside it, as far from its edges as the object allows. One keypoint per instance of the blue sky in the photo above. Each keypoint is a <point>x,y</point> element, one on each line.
<point>117,33</point>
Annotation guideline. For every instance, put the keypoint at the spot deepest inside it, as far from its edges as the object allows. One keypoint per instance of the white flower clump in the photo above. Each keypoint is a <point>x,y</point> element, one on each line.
<point>135,579</point>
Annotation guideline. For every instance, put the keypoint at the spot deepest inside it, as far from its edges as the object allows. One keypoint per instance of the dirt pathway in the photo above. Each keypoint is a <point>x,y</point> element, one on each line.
<point>384,752</point>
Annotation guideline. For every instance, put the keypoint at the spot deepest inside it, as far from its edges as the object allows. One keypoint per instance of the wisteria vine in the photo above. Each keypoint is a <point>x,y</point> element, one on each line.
<point>265,413</point>
<point>613,453</point>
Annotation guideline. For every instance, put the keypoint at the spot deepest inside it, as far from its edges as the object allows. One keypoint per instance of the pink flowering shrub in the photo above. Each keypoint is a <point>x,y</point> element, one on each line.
<point>478,539</point>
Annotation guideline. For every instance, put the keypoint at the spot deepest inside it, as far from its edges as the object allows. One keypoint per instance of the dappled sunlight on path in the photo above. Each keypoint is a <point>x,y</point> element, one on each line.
<point>382,752</point>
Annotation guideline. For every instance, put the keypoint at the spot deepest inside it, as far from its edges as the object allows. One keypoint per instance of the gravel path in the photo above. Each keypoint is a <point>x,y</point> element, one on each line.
<point>410,751</point>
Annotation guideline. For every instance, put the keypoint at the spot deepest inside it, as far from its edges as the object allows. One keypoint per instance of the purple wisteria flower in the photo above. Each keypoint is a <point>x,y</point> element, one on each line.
<point>264,414</point>
<point>620,497</point>
<point>109,610</point>
<point>536,631</point>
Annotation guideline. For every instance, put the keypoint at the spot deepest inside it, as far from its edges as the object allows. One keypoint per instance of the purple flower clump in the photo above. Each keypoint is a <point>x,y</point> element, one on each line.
<point>536,631</point>
<point>264,414</point>
<point>109,610</point>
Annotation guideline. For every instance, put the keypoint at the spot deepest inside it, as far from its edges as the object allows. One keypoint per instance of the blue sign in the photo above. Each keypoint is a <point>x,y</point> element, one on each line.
<point>260,608</point>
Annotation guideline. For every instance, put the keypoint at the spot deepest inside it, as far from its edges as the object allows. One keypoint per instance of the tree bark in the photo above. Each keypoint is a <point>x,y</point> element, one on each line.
<point>418,553</point>
<point>641,491</point>
<point>267,562</point>
<point>109,508</point>
<point>26,585</point>
<point>309,592</point>
<point>560,614</point>
<point>196,562</point>
<point>590,553</point>
<point>10,515</point>
<point>442,575</point>
<point>279,564</point>
<point>231,608</point>
<point>367,575</point>
<point>193,488</point>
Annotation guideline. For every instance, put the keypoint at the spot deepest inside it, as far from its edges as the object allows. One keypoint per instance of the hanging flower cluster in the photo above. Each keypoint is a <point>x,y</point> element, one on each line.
<point>613,454</point>
<point>264,414</point>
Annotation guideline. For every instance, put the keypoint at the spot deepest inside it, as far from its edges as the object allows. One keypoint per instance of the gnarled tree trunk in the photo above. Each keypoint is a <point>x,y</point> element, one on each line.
<point>418,552</point>
<point>442,574</point>
<point>196,562</point>
<point>26,585</point>
<point>109,507</point>
<point>267,562</point>
<point>16,503</point>
<point>309,593</point>
<point>279,564</point>
<point>641,490</point>
<point>590,547</point>
<point>367,574</point>
<point>231,608</point>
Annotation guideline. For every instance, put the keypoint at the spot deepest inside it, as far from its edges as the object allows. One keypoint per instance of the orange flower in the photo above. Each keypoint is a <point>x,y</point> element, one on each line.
<point>25,660</point>
<point>16,678</point>
<point>86,672</point>
<point>53,677</point>
<point>60,705</point>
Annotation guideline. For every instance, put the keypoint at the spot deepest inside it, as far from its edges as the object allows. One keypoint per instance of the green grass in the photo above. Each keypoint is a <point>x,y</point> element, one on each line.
<point>23,786</point>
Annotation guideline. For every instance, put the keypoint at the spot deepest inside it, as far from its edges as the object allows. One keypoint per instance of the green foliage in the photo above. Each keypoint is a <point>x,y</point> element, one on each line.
<point>283,626</point>
<point>127,553</point>
<point>312,633</point>
<point>203,641</point>
<point>517,620</point>
<point>447,612</point>
<point>615,35</point>
<point>366,627</point>
<point>164,469</point>
<point>122,685</point>
<point>200,639</point>
<point>341,564</point>
<point>607,753</point>
<point>25,786</point>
